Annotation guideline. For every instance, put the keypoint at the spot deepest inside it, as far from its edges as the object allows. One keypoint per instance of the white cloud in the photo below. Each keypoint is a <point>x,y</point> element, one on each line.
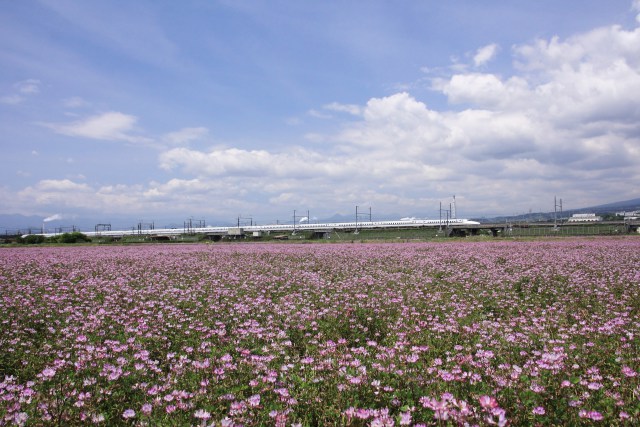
<point>177,197</point>
<point>319,115</point>
<point>398,121</point>
<point>23,88</point>
<point>110,126</point>
<point>29,86</point>
<point>12,99</point>
<point>65,194</point>
<point>352,109</point>
<point>61,186</point>
<point>75,102</point>
<point>485,90</point>
<point>568,121</point>
<point>298,163</point>
<point>485,54</point>
<point>186,135</point>
<point>56,194</point>
<point>597,49</point>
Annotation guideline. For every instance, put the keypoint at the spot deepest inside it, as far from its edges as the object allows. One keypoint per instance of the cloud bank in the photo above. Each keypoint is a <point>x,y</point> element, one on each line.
<point>109,126</point>
<point>569,121</point>
<point>566,121</point>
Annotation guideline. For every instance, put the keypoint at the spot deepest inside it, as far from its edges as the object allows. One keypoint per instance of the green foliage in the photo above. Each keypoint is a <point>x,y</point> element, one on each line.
<point>32,239</point>
<point>35,239</point>
<point>75,237</point>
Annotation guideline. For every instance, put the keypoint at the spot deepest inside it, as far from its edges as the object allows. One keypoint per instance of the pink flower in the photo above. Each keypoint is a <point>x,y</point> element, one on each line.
<point>129,413</point>
<point>20,418</point>
<point>628,372</point>
<point>592,415</point>
<point>282,392</point>
<point>254,400</point>
<point>363,413</point>
<point>595,415</point>
<point>48,373</point>
<point>537,388</point>
<point>488,402</point>
<point>539,410</point>
<point>405,418</point>
<point>355,380</point>
<point>97,418</point>
<point>201,414</point>
<point>441,409</point>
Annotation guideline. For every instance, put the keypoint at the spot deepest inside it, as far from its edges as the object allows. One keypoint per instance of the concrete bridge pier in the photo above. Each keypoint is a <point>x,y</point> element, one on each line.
<point>322,233</point>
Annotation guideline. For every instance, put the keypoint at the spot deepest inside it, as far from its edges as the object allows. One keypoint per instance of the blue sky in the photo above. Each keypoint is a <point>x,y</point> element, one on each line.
<point>213,109</point>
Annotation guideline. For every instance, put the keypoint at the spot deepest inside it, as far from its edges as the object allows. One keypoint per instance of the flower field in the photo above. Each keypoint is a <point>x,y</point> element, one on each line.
<point>455,333</point>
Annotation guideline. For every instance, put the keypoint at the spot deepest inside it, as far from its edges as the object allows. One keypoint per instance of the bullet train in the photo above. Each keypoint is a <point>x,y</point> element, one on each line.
<point>351,226</point>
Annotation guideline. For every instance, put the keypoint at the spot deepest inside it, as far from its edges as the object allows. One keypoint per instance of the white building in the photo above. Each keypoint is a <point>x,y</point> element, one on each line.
<point>586,217</point>
<point>629,215</point>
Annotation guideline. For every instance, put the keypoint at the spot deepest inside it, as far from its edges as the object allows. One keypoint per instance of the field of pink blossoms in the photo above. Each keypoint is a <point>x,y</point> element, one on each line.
<point>455,333</point>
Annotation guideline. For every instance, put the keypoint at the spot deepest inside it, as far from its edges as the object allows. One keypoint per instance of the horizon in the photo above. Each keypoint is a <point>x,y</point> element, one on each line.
<point>223,109</point>
<point>62,224</point>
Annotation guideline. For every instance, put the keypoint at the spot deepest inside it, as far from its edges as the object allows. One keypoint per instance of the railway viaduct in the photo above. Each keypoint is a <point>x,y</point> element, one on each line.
<point>549,228</point>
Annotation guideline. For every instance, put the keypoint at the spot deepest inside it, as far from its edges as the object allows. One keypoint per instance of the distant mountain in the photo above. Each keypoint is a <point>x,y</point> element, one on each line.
<point>627,205</point>
<point>609,208</point>
<point>8,222</point>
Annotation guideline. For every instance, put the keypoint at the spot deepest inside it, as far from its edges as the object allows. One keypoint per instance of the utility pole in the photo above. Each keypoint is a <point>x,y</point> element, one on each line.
<point>358,215</point>
<point>555,211</point>
<point>454,214</point>
<point>250,218</point>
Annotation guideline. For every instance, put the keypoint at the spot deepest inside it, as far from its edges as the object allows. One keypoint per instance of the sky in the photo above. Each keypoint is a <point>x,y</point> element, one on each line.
<point>162,110</point>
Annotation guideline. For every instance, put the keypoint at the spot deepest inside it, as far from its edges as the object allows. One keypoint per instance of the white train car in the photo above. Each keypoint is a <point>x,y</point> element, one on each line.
<point>360,225</point>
